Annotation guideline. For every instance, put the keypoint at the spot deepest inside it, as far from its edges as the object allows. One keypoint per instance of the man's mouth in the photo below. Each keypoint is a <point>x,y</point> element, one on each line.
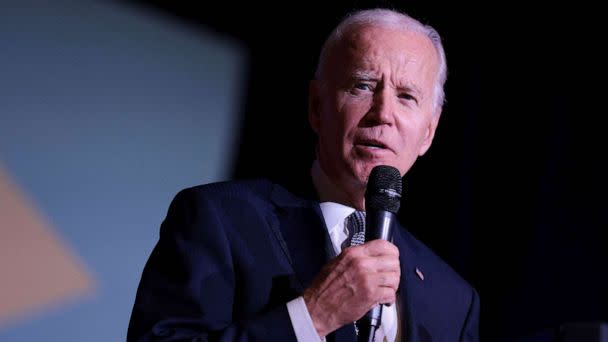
<point>371,143</point>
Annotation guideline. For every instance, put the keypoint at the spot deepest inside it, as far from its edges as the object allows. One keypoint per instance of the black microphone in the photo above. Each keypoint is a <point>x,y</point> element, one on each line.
<point>382,201</point>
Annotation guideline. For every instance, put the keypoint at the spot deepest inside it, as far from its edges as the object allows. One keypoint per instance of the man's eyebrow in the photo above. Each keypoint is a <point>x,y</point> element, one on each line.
<point>364,75</point>
<point>371,76</point>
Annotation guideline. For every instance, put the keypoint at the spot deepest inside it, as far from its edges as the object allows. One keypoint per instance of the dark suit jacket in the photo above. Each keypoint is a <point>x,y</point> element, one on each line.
<point>231,255</point>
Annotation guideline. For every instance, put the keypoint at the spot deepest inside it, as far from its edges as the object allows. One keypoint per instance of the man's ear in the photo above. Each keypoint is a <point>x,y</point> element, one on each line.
<point>314,115</point>
<point>429,134</point>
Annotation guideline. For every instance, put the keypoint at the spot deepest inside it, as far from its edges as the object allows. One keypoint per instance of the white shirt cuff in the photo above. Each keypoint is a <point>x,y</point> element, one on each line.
<point>301,321</point>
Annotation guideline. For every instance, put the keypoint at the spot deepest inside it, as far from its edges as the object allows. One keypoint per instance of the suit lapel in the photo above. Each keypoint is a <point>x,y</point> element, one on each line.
<point>302,231</point>
<point>411,285</point>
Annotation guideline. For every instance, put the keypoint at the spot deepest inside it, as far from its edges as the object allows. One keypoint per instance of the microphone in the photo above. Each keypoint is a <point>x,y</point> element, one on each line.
<point>382,202</point>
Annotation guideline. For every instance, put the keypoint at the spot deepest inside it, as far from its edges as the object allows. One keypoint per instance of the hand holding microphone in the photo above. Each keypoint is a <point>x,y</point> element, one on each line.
<point>365,275</point>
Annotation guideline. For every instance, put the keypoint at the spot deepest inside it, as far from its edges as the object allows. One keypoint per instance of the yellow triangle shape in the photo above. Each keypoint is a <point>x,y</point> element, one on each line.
<point>38,270</point>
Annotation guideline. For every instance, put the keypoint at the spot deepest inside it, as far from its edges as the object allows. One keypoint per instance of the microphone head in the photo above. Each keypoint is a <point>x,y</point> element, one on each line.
<point>383,190</point>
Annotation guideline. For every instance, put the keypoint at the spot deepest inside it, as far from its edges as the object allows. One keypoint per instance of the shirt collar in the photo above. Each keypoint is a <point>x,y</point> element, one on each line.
<point>334,213</point>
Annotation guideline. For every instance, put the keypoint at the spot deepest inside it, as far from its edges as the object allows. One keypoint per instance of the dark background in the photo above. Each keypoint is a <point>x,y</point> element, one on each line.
<point>513,192</point>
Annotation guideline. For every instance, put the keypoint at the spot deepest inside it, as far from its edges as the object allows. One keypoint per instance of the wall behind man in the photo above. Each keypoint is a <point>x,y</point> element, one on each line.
<point>106,111</point>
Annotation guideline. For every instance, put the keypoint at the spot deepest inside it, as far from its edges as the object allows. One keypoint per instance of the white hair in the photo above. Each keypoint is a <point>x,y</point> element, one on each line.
<point>391,19</point>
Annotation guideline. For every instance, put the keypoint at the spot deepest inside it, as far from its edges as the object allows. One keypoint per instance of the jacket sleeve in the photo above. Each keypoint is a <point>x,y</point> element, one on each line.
<point>470,330</point>
<point>187,289</point>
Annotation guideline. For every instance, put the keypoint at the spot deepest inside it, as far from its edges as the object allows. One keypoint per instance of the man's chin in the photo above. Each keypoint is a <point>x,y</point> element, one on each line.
<point>364,169</point>
<point>361,173</point>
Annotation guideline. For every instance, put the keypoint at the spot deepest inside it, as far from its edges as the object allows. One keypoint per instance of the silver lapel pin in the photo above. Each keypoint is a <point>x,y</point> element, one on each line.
<point>419,273</point>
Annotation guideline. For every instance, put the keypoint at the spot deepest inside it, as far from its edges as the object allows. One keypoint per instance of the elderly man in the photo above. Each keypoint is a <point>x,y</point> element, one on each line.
<point>251,261</point>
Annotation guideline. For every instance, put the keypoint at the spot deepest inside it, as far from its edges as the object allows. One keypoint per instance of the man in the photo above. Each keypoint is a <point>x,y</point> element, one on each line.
<point>250,261</point>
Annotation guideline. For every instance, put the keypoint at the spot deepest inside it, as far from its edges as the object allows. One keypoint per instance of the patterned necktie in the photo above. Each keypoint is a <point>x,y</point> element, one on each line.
<point>355,223</point>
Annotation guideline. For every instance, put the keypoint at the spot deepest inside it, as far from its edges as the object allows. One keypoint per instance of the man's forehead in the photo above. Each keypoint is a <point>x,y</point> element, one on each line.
<point>398,45</point>
<point>361,53</point>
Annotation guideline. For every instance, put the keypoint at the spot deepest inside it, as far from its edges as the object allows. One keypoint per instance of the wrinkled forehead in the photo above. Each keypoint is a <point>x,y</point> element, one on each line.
<point>361,49</point>
<point>395,42</point>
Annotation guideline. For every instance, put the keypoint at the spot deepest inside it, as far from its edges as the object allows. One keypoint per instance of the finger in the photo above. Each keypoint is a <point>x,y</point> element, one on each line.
<point>388,279</point>
<point>370,265</point>
<point>384,263</point>
<point>358,267</point>
<point>380,247</point>
<point>387,296</point>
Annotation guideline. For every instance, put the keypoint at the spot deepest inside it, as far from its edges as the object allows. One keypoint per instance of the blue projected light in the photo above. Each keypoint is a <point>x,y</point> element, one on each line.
<point>105,114</point>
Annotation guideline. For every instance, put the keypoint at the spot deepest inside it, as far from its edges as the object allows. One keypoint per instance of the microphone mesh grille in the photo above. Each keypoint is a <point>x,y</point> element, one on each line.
<point>383,189</point>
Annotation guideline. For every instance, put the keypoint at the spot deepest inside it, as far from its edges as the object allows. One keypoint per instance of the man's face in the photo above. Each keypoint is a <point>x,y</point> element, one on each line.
<point>374,105</point>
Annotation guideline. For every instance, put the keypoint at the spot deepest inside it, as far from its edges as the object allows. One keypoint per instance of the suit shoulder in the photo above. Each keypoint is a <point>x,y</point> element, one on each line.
<point>222,196</point>
<point>250,188</point>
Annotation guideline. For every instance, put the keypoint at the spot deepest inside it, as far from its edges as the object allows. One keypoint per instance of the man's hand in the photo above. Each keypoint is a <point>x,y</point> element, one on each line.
<point>347,287</point>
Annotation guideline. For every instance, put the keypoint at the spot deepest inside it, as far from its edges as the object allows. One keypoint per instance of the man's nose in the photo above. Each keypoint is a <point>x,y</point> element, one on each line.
<point>383,108</point>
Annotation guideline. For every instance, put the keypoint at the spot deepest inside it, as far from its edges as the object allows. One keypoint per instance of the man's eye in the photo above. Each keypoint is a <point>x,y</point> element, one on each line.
<point>363,86</point>
<point>408,97</point>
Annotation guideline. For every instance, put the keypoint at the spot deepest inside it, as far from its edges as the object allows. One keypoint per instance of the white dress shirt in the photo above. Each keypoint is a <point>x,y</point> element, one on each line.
<point>334,215</point>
